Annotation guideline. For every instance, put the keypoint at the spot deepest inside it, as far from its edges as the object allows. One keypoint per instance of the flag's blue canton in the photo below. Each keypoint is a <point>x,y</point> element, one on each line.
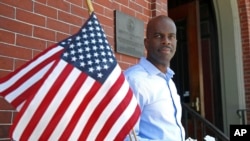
<point>90,51</point>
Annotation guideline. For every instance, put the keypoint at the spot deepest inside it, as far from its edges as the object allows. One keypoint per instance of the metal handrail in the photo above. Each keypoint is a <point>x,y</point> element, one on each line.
<point>205,125</point>
<point>242,113</point>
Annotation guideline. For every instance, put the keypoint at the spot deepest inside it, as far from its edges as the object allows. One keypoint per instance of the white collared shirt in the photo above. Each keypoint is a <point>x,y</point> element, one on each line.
<point>159,102</point>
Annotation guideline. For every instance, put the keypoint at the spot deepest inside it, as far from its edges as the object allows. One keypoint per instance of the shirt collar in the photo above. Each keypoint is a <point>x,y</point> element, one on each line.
<point>152,70</point>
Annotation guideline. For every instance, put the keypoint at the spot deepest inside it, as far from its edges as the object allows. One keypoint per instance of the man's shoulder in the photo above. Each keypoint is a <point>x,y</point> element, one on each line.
<point>136,70</point>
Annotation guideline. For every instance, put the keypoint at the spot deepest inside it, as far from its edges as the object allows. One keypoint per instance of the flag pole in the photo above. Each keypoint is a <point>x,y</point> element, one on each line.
<point>134,134</point>
<point>90,6</point>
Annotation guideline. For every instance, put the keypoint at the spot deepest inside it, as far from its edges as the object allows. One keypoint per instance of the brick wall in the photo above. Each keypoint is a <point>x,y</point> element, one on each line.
<point>244,13</point>
<point>27,27</point>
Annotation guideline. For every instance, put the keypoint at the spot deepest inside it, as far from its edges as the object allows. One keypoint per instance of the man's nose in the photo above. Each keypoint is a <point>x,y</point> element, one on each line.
<point>166,40</point>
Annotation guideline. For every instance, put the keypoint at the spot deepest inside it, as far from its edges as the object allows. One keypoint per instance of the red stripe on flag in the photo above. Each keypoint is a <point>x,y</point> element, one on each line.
<point>63,107</point>
<point>129,124</point>
<point>20,114</point>
<point>70,127</point>
<point>115,115</point>
<point>23,96</point>
<point>45,102</point>
<point>27,93</point>
<point>27,103</point>
<point>101,106</point>
<point>25,65</point>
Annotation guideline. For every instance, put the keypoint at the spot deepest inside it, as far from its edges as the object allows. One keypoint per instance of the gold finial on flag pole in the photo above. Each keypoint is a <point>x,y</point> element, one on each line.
<point>90,6</point>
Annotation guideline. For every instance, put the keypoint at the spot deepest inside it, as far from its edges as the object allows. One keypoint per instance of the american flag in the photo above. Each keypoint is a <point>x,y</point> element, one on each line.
<point>74,90</point>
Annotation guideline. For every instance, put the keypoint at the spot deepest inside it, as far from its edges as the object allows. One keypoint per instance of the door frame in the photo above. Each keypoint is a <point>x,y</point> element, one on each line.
<point>190,12</point>
<point>231,60</point>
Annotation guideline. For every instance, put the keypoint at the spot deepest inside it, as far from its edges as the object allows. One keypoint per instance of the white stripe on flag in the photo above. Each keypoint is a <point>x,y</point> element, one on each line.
<point>116,100</point>
<point>94,103</point>
<point>13,79</point>
<point>34,104</point>
<point>28,83</point>
<point>87,85</point>
<point>124,117</point>
<point>18,108</point>
<point>56,102</point>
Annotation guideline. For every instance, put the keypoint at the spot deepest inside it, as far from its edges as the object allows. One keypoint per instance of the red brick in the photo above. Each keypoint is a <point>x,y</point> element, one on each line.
<point>45,10</point>
<point>116,6</point>
<point>79,11</point>
<point>141,17</point>
<point>142,3</point>
<point>111,41</point>
<point>42,1</point>
<point>22,4</point>
<point>138,8</point>
<point>4,105</point>
<point>58,25</point>
<point>4,132</point>
<point>109,31</point>
<point>43,33</point>
<point>61,36</point>
<point>19,63</point>
<point>15,26</point>
<point>147,12</point>
<point>124,2</point>
<point>7,11</point>
<point>59,4</point>
<point>6,63</point>
<point>14,114</point>
<point>85,5</point>
<point>117,56</point>
<point>243,6</point>
<point>16,52</point>
<point>109,12</point>
<point>50,43</point>
<point>35,53</point>
<point>128,11</point>
<point>129,59</point>
<point>74,29</point>
<point>30,42</point>
<point>30,18</point>
<point>7,36</point>
<point>124,65</point>
<point>105,3</point>
<point>4,73</point>
<point>69,18</point>
<point>76,2</point>
<point>98,8</point>
<point>105,20</point>
<point>6,116</point>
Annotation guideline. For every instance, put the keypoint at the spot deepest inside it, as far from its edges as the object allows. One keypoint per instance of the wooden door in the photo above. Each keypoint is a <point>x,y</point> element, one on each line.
<point>187,62</point>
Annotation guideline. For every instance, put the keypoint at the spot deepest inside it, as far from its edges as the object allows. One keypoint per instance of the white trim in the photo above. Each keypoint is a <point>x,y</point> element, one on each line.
<point>231,63</point>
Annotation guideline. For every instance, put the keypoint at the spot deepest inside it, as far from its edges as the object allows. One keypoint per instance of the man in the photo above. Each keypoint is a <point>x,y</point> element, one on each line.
<point>153,87</point>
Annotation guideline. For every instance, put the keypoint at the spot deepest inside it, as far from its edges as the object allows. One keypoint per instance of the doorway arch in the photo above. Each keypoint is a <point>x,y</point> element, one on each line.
<point>230,50</point>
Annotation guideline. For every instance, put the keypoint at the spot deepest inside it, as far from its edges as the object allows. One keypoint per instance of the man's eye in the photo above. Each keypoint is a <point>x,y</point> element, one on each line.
<point>171,36</point>
<point>157,36</point>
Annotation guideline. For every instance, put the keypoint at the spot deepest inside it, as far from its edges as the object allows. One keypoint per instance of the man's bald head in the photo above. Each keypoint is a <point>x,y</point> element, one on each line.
<point>155,21</point>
